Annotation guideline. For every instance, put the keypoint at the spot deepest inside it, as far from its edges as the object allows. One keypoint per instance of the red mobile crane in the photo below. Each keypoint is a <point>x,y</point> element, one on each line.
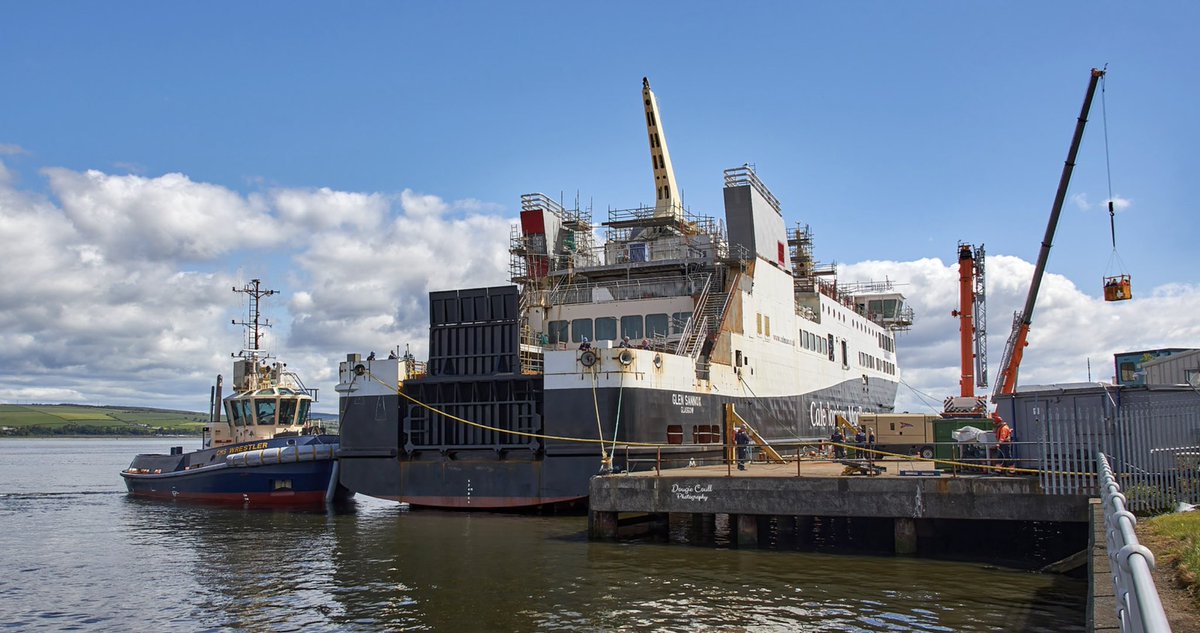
<point>972,330</point>
<point>1015,348</point>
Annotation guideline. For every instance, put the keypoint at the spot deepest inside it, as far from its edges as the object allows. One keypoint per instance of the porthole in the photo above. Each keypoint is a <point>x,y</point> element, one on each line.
<point>588,358</point>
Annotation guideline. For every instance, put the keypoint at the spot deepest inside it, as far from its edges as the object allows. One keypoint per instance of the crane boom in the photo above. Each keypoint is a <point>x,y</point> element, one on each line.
<point>1017,342</point>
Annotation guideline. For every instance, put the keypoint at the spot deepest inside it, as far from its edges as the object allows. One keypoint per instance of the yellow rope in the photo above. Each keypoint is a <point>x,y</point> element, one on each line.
<point>599,428</point>
<point>583,440</point>
<point>485,427</point>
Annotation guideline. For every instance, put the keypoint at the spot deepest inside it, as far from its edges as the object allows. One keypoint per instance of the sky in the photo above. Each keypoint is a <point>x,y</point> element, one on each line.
<point>356,156</point>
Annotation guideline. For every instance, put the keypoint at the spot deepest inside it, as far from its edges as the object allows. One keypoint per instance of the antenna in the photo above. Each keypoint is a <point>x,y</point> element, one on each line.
<point>254,322</point>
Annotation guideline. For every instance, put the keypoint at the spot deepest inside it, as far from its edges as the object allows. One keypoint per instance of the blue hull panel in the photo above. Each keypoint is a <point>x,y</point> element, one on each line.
<point>205,476</point>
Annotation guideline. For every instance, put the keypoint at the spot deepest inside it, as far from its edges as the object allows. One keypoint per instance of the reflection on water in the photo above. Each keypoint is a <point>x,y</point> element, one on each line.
<point>80,554</point>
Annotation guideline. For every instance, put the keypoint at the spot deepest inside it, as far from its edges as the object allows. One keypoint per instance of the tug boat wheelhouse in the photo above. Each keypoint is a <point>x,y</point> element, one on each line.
<point>644,339</point>
<point>267,451</point>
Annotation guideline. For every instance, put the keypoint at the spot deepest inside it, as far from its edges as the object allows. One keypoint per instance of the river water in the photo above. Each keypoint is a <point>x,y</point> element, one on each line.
<point>77,554</point>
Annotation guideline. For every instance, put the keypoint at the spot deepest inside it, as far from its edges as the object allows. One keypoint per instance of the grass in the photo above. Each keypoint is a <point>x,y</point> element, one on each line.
<point>68,419</point>
<point>1176,542</point>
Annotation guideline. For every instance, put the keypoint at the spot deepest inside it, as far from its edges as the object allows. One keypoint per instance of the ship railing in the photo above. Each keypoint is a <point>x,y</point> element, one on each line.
<point>628,251</point>
<point>949,458</point>
<point>694,222</point>
<point>542,202</point>
<point>744,175</point>
<point>293,376</point>
<point>628,289</point>
<point>686,336</point>
<point>735,252</point>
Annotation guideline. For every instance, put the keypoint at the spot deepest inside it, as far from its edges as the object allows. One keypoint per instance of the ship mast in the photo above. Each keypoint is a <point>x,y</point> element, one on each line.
<point>667,202</point>
<point>254,323</point>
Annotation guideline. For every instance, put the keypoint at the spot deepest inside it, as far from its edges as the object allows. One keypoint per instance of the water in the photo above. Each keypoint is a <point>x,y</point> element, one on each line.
<point>77,554</point>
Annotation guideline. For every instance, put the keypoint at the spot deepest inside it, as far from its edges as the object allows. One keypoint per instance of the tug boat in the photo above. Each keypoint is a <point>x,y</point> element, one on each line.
<point>647,349</point>
<point>264,450</point>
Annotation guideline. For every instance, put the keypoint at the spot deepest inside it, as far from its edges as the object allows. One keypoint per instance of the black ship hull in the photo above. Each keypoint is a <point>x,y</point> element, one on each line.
<point>395,449</point>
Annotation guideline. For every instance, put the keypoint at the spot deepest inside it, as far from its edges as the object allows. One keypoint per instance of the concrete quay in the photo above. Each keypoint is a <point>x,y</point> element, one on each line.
<point>917,505</point>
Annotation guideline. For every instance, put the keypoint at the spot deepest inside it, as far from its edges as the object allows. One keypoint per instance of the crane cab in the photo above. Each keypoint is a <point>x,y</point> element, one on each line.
<point>1117,288</point>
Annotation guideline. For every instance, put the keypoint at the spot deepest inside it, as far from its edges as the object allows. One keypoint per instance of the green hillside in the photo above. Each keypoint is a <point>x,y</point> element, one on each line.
<point>76,419</point>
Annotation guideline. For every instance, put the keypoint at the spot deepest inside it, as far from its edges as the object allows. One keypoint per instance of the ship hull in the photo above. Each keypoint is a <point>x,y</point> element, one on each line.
<point>383,457</point>
<point>276,474</point>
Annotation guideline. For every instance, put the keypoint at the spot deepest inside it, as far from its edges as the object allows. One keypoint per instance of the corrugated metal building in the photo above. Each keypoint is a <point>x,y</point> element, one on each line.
<point>1151,433</point>
<point>1182,368</point>
<point>1129,365</point>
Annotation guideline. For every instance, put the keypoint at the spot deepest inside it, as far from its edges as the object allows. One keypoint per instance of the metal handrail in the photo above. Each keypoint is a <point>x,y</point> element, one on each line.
<point>1138,605</point>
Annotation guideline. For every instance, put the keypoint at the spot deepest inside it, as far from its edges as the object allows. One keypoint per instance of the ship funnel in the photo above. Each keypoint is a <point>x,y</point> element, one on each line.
<point>667,203</point>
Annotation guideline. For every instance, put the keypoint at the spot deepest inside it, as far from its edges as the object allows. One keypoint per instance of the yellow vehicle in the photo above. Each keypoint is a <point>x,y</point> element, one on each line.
<point>905,433</point>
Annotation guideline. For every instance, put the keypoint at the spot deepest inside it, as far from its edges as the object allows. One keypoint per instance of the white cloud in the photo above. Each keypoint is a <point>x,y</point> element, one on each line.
<point>10,149</point>
<point>164,218</point>
<point>1080,200</point>
<point>370,289</point>
<point>1059,350</point>
<point>121,294</point>
<point>324,208</point>
<point>1119,203</point>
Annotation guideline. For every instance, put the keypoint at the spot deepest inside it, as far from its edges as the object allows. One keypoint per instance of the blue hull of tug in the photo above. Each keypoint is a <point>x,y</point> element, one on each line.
<point>292,471</point>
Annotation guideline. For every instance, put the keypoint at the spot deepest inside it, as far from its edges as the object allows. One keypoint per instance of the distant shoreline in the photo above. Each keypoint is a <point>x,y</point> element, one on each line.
<point>85,436</point>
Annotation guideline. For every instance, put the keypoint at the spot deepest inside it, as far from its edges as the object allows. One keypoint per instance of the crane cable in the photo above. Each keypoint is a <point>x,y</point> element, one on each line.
<point>1112,226</point>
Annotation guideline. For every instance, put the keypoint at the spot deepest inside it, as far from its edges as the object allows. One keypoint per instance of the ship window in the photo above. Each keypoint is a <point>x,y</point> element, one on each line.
<point>247,412</point>
<point>234,413</point>
<point>656,325</point>
<point>606,328</point>
<point>829,347</point>
<point>758,321</point>
<point>675,434</point>
<point>767,326</point>
<point>637,252</point>
<point>265,411</point>
<point>705,434</point>
<point>581,328</point>
<point>632,326</point>
<point>287,412</point>
<point>557,331</point>
<point>845,354</point>
<point>679,321</point>
<point>304,405</point>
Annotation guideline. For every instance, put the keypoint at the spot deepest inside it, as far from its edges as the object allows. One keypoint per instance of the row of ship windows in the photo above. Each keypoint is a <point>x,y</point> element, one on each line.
<point>870,362</point>
<point>886,342</point>
<point>263,411</point>
<point>635,326</point>
<point>701,434</point>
